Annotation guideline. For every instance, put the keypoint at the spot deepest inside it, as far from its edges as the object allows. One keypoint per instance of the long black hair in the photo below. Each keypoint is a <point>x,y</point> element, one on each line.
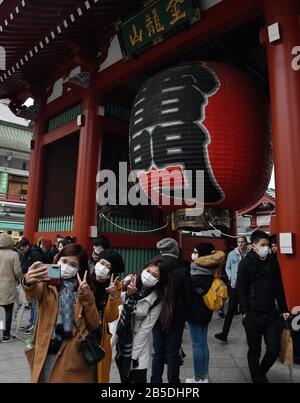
<point>77,250</point>
<point>163,289</point>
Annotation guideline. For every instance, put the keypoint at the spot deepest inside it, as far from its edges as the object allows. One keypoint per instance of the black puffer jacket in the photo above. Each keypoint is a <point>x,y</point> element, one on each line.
<point>198,313</point>
<point>260,285</point>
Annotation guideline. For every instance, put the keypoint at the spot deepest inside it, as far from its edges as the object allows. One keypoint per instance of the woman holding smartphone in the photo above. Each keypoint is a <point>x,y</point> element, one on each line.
<point>66,307</point>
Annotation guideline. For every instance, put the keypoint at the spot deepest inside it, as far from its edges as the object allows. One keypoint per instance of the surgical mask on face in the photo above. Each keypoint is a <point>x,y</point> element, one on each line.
<point>102,271</point>
<point>263,251</point>
<point>148,280</point>
<point>194,256</point>
<point>67,271</point>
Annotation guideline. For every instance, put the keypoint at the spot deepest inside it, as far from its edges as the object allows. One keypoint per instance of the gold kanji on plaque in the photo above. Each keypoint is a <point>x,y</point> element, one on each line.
<point>153,24</point>
<point>137,36</point>
<point>158,25</point>
<point>150,26</point>
<point>174,8</point>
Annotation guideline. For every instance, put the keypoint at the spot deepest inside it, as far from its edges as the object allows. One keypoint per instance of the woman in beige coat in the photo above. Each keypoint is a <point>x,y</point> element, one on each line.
<point>66,308</point>
<point>10,272</point>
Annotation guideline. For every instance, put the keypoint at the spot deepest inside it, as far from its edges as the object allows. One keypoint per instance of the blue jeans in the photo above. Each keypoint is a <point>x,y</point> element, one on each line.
<point>200,350</point>
<point>32,318</point>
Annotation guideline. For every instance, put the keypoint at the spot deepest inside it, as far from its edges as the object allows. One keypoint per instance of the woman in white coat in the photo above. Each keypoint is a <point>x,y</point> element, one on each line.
<point>146,299</point>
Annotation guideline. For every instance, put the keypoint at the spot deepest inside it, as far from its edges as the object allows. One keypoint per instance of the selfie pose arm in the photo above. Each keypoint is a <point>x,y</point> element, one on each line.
<point>34,281</point>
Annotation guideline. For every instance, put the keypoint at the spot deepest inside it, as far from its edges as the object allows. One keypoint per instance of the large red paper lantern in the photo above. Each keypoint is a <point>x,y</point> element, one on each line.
<point>203,116</point>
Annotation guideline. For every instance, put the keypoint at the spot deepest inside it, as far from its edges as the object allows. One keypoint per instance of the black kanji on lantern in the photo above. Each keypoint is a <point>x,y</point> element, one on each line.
<point>166,126</point>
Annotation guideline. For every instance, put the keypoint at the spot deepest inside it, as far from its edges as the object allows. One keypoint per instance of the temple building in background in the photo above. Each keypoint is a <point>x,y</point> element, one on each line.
<point>15,138</point>
<point>219,66</point>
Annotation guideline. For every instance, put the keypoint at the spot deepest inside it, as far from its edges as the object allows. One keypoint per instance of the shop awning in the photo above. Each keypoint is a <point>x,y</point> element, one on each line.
<point>11,226</point>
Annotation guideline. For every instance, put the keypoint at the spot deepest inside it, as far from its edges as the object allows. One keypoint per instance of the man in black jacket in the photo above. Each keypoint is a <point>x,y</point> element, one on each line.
<point>29,254</point>
<point>167,346</point>
<point>262,300</point>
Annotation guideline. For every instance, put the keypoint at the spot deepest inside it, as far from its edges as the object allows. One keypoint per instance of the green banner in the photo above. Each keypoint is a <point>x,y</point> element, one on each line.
<point>161,19</point>
<point>3,182</point>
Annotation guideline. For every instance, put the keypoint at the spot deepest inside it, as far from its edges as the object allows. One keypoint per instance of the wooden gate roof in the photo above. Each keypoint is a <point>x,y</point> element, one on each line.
<point>36,35</point>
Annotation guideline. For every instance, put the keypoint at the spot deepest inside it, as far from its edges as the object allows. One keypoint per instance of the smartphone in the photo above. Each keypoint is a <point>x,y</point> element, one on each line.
<point>53,270</point>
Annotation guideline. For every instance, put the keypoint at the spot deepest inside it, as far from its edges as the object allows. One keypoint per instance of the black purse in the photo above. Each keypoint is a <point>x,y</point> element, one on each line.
<point>90,348</point>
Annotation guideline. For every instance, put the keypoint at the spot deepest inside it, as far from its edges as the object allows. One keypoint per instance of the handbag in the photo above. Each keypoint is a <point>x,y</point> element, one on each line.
<point>90,348</point>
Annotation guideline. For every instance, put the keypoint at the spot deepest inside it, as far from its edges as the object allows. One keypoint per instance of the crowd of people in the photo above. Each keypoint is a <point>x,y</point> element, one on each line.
<point>139,320</point>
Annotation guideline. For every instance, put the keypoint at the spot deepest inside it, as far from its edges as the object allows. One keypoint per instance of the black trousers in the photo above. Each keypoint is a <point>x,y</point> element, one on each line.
<point>8,319</point>
<point>138,376</point>
<point>268,326</point>
<point>166,348</point>
<point>232,307</point>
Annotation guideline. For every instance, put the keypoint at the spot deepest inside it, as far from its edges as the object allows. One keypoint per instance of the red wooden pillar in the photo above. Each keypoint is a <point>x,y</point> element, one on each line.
<point>180,239</point>
<point>285,103</point>
<point>89,153</point>
<point>35,184</point>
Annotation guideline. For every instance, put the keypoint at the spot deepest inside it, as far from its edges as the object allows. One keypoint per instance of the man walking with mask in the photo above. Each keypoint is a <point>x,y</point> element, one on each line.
<point>232,265</point>
<point>259,289</point>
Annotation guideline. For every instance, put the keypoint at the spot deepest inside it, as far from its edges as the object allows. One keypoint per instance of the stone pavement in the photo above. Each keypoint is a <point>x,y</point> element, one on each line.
<point>228,362</point>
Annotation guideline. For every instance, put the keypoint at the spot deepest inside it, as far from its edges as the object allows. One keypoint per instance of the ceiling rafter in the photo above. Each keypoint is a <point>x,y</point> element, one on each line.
<point>47,32</point>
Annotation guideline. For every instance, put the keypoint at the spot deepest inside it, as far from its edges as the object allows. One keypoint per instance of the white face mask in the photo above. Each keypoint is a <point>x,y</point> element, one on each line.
<point>102,271</point>
<point>262,251</point>
<point>148,280</point>
<point>194,256</point>
<point>67,271</point>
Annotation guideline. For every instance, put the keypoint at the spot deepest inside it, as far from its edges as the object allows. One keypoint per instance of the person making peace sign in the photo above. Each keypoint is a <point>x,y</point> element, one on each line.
<point>108,298</point>
<point>147,299</point>
<point>54,355</point>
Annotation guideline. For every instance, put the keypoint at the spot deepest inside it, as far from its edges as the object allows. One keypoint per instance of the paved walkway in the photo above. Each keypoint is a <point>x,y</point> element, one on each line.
<point>228,362</point>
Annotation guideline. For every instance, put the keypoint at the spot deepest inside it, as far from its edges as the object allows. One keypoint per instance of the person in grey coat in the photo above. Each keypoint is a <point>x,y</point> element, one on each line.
<point>10,273</point>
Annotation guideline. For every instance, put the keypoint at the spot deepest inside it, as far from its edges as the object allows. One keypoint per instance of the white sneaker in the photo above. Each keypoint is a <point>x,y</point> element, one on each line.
<point>202,381</point>
<point>193,380</point>
<point>30,330</point>
<point>190,380</point>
